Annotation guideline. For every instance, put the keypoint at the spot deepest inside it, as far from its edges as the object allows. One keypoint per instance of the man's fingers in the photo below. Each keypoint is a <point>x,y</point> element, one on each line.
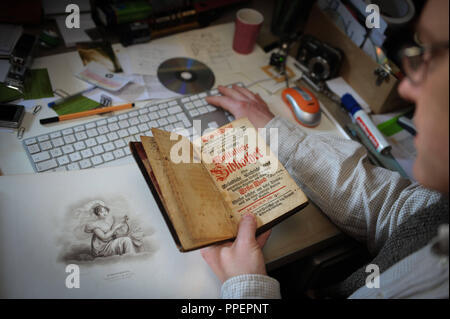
<point>262,239</point>
<point>225,102</point>
<point>247,230</point>
<point>233,93</point>
<point>249,94</point>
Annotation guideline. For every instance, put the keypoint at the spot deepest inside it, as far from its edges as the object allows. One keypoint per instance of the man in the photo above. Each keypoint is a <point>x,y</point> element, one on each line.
<point>404,224</point>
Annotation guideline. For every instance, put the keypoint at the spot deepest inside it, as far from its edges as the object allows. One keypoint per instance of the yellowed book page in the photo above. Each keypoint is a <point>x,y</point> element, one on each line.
<point>247,173</point>
<point>165,190</point>
<point>197,197</point>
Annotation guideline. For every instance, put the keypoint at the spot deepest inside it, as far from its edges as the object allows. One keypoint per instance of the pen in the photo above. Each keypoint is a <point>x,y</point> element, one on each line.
<point>86,113</point>
<point>365,123</point>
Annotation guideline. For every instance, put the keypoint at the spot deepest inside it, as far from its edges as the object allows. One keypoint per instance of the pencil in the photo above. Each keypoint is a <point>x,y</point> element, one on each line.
<point>86,113</point>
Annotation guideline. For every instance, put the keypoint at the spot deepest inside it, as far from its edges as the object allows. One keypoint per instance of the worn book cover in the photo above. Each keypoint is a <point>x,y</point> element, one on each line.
<point>203,188</point>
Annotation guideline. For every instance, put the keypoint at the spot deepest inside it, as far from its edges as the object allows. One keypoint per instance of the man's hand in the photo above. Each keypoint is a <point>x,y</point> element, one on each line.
<point>243,103</point>
<point>243,256</point>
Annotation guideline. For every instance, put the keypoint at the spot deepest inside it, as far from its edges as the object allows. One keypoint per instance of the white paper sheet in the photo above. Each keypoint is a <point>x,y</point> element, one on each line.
<point>43,220</point>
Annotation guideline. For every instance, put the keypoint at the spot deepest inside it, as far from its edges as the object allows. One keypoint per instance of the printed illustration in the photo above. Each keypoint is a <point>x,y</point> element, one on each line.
<point>104,230</point>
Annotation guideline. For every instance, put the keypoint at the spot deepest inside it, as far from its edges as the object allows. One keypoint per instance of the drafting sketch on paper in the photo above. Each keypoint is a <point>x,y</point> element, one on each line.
<point>104,230</point>
<point>211,48</point>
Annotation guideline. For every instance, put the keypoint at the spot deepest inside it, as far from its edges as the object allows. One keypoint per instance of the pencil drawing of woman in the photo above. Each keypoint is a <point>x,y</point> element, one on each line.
<point>108,236</point>
<point>107,230</point>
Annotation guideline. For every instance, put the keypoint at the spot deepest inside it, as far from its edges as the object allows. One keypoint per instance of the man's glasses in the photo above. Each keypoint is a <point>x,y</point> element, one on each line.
<point>416,60</point>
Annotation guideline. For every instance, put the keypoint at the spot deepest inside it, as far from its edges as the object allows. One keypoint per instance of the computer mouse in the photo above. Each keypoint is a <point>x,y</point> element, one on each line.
<point>304,105</point>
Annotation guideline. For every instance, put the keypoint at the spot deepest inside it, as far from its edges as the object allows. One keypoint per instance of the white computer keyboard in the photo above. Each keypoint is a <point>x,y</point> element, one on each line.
<point>106,140</point>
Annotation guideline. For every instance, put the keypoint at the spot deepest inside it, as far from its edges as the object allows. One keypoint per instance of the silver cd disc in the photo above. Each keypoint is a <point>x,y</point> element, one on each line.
<point>185,76</point>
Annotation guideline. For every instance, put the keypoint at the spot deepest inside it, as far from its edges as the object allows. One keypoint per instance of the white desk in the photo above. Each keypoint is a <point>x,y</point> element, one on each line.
<point>297,234</point>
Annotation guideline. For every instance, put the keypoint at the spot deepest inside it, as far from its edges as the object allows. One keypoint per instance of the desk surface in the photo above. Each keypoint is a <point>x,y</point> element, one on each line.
<point>295,236</point>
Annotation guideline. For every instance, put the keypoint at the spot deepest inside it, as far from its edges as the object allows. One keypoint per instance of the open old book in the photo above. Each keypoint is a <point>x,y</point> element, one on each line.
<point>225,174</point>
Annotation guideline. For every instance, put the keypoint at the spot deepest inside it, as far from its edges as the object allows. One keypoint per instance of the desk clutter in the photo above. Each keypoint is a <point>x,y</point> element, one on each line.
<point>160,83</point>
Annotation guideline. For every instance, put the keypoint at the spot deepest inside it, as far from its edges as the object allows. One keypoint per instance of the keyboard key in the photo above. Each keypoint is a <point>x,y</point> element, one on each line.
<point>202,95</point>
<point>189,106</point>
<point>73,167</point>
<point>120,144</point>
<point>102,129</point>
<point>118,153</point>
<point>75,156</point>
<point>112,136</point>
<point>185,100</point>
<point>133,130</point>
<point>211,108</point>
<point>92,132</point>
<point>86,153</point>
<point>56,152</point>
<point>194,113</point>
<point>143,118</point>
<point>109,147</point>
<point>112,119</point>
<point>172,119</point>
<point>198,103</point>
<point>203,110</point>
<point>113,127</point>
<point>79,146</point>
<point>97,150</point>
<point>57,142</point>
<point>30,141</point>
<point>69,139</point>
<point>33,148</point>
<point>101,122</point>
<point>123,133</point>
<point>47,165</point>
<point>90,125</point>
<point>122,116</point>
<point>162,122</point>
<point>153,124</point>
<point>85,163</point>
<point>67,149</point>
<point>153,116</point>
<point>91,142</point>
<point>39,157</point>
<point>134,121</point>
<point>108,157</point>
<point>67,131</point>
<point>143,127</point>
<point>55,135</point>
<point>163,113</point>
<point>46,145</point>
<point>153,108</point>
<point>172,103</point>
<point>63,160</point>
<point>79,128</point>
<point>163,106</point>
<point>97,160</point>
<point>101,139</point>
<point>80,136</point>
<point>175,109</point>
<point>124,124</point>
<point>143,111</point>
<point>43,138</point>
<point>133,113</point>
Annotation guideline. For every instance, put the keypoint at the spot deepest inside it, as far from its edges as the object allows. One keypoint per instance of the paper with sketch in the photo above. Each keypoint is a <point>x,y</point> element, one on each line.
<point>213,47</point>
<point>104,221</point>
<point>146,58</point>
